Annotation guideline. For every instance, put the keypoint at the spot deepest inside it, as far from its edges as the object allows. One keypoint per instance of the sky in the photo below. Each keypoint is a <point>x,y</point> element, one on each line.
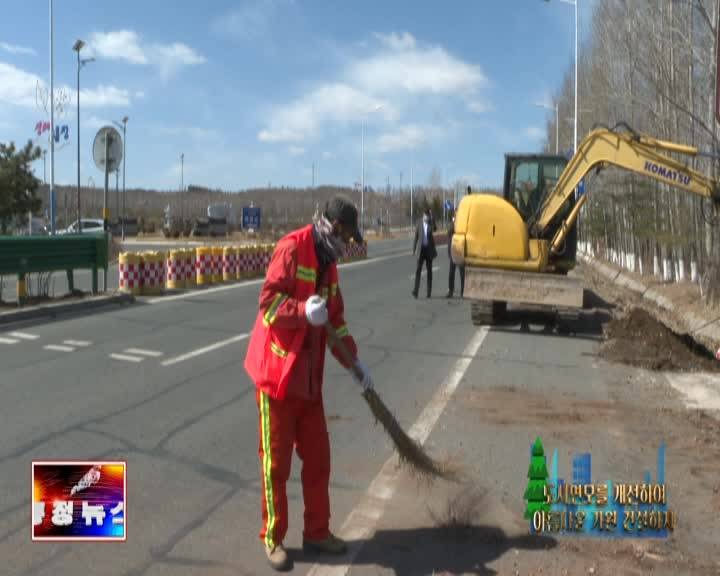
<point>254,92</point>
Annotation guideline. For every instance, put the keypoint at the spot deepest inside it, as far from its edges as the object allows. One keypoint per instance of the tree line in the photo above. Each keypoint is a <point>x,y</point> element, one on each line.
<point>649,64</point>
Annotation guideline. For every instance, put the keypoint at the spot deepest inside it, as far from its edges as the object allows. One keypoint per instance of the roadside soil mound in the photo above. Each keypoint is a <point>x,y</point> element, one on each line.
<point>638,339</point>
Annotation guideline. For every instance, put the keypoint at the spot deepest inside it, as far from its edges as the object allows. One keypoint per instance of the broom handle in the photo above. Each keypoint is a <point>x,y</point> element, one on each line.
<point>344,352</point>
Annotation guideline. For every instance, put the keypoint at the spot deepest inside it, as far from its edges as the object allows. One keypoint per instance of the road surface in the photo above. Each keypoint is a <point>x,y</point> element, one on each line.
<point>161,385</point>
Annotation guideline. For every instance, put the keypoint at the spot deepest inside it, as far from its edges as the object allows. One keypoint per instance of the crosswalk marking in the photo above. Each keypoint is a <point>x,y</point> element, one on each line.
<point>77,343</point>
<point>141,352</point>
<point>59,348</point>
<point>23,335</point>
<point>126,358</point>
<point>8,341</point>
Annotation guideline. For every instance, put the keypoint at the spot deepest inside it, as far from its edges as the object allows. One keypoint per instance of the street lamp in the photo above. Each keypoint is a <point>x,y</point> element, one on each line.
<point>124,129</point>
<point>557,122</point>
<point>362,171</point>
<point>77,47</point>
<point>575,4</point>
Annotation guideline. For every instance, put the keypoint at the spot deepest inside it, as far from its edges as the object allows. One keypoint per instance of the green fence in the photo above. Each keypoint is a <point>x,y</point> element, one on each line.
<point>25,255</point>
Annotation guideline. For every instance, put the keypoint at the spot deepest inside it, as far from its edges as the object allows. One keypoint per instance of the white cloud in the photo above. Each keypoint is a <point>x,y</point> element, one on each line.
<point>480,106</point>
<point>16,49</point>
<point>396,74</point>
<point>94,123</point>
<point>535,133</point>
<point>330,103</point>
<point>17,86</point>
<point>404,138</point>
<point>296,151</point>
<point>118,45</point>
<point>104,97</point>
<point>127,46</point>
<point>191,132</point>
<point>139,95</point>
<point>394,41</point>
<point>417,71</point>
<point>252,20</point>
<point>170,58</point>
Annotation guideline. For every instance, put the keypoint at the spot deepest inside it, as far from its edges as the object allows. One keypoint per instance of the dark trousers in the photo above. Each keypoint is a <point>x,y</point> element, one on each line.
<point>451,278</point>
<point>423,258</point>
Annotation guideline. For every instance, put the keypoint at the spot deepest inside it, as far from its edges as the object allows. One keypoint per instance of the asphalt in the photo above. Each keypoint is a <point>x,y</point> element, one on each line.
<point>184,418</point>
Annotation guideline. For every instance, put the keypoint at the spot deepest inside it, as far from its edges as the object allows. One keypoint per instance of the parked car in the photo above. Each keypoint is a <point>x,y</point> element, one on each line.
<point>89,225</point>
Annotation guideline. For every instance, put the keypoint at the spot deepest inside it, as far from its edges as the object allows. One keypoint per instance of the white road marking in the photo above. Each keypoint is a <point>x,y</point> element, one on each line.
<point>8,341</point>
<point>205,350</point>
<point>141,352</point>
<point>126,358</point>
<point>424,272</point>
<point>59,348</point>
<point>77,343</point>
<point>700,390</point>
<point>258,281</point>
<point>361,522</point>
<point>23,335</point>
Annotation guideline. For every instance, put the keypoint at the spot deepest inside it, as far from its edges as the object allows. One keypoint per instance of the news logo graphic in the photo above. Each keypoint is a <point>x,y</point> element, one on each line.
<point>79,501</point>
<point>592,508</point>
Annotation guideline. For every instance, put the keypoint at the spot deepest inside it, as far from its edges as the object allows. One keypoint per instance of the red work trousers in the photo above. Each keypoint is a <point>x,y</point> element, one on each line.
<point>284,424</point>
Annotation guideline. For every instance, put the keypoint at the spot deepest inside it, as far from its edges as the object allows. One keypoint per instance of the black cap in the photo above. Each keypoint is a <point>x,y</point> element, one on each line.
<point>342,209</point>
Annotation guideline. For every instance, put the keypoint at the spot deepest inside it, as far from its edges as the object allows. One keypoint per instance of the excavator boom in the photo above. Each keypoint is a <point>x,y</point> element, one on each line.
<point>639,154</point>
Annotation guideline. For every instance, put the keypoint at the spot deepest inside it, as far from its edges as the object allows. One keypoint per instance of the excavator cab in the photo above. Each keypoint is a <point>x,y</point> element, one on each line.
<point>528,180</point>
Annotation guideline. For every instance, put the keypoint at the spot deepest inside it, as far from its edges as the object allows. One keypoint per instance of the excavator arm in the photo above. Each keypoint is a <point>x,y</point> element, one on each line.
<point>637,153</point>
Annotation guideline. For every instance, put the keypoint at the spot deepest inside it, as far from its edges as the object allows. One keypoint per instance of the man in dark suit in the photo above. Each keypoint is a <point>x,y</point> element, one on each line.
<point>424,237</point>
<point>451,277</point>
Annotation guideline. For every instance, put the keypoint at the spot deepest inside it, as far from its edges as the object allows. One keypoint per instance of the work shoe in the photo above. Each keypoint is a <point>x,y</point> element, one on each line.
<point>278,558</point>
<point>330,545</point>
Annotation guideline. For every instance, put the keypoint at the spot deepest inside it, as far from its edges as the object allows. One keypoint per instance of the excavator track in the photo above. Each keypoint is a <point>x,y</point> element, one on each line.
<point>484,313</point>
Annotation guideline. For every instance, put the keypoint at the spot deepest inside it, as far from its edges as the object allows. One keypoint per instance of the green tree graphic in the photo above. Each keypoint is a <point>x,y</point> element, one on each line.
<point>537,474</point>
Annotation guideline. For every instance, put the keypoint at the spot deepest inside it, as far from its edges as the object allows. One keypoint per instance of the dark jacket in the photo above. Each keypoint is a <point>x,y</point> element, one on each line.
<point>417,243</point>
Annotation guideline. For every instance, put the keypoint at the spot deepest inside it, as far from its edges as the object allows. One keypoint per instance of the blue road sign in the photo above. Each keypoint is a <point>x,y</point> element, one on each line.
<point>448,205</point>
<point>251,217</point>
<point>580,189</point>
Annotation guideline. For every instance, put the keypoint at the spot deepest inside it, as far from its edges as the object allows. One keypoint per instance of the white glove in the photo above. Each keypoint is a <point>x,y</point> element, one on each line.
<point>316,311</point>
<point>366,382</point>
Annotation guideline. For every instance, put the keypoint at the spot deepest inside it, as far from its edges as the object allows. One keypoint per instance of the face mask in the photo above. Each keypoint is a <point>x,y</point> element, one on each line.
<point>426,219</point>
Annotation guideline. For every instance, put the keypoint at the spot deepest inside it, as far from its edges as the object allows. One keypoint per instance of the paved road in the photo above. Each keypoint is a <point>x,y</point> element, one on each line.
<point>161,385</point>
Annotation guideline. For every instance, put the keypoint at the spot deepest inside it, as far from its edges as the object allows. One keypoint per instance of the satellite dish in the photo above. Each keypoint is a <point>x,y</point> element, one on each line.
<point>115,151</point>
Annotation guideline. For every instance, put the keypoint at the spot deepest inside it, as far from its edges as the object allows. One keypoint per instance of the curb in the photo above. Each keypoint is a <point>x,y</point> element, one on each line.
<point>53,310</point>
<point>707,330</point>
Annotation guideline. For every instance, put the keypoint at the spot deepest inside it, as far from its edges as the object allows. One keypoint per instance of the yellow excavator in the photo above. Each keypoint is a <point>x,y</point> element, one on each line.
<point>519,248</point>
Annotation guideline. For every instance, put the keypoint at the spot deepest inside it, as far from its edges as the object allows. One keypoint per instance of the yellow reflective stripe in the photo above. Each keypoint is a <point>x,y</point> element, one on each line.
<point>269,316</point>
<point>306,274</point>
<point>267,469</point>
<point>277,350</point>
<point>333,290</point>
<point>342,331</point>
<point>324,293</point>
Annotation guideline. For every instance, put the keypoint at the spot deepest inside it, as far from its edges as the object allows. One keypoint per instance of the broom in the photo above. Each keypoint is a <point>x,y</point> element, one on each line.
<point>410,451</point>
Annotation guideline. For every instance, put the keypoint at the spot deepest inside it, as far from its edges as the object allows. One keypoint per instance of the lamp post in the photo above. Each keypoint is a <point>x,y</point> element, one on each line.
<point>124,129</point>
<point>557,121</point>
<point>575,4</point>
<point>362,170</point>
<point>77,47</point>
<point>51,198</point>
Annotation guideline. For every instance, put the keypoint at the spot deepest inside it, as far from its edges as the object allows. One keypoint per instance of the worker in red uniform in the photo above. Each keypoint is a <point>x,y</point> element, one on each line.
<point>286,359</point>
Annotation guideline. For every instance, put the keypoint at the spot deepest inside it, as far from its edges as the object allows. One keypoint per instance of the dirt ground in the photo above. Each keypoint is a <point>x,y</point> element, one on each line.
<point>639,339</point>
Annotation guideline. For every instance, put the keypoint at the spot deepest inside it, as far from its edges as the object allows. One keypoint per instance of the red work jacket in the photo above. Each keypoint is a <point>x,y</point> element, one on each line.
<point>286,354</point>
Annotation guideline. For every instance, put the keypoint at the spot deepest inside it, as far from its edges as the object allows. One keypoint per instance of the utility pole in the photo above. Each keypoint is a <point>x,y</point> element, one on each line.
<point>51,199</point>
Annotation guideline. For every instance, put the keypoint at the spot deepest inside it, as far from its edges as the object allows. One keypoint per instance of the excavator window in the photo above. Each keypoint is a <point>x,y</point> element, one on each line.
<point>525,187</point>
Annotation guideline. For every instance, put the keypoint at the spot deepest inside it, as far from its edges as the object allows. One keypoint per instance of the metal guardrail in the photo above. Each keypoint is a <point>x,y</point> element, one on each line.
<point>25,255</point>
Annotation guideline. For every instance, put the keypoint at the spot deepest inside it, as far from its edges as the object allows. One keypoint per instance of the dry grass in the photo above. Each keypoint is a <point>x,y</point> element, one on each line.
<point>410,452</point>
